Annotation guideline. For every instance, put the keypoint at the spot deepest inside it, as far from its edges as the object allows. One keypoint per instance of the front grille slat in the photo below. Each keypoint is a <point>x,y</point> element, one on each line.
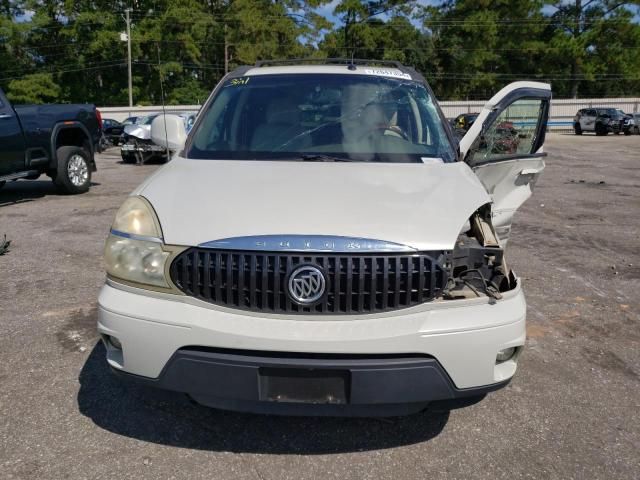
<point>409,286</point>
<point>217,288</point>
<point>206,270</point>
<point>276,282</point>
<point>349,284</point>
<point>356,283</point>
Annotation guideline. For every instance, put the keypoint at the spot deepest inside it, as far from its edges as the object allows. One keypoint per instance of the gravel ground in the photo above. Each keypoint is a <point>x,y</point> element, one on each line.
<point>573,410</point>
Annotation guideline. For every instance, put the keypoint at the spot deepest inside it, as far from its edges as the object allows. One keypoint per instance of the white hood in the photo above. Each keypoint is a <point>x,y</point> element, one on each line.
<point>142,132</point>
<point>423,206</point>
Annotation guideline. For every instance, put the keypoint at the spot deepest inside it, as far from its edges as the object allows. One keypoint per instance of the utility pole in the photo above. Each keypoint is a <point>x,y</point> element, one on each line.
<point>129,56</point>
<point>226,51</point>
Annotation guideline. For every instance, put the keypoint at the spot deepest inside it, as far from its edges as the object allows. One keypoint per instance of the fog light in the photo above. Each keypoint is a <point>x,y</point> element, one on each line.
<point>505,354</point>
<point>115,343</point>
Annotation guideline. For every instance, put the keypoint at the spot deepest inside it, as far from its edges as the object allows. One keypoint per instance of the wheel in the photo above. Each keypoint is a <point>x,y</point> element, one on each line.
<point>128,157</point>
<point>74,173</point>
<point>627,132</point>
<point>2,184</point>
<point>577,128</point>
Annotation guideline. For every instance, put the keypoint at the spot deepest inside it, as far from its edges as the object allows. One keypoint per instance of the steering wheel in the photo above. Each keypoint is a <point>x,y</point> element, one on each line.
<point>394,129</point>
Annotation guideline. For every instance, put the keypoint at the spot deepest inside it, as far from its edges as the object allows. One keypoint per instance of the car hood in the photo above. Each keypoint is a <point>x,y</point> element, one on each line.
<point>142,132</point>
<point>423,206</point>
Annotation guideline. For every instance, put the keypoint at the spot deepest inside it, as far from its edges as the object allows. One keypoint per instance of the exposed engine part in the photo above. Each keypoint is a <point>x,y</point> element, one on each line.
<point>482,228</point>
<point>477,264</point>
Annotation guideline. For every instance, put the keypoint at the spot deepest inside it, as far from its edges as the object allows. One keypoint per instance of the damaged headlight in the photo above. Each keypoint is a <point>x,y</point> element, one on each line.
<point>134,249</point>
<point>477,264</point>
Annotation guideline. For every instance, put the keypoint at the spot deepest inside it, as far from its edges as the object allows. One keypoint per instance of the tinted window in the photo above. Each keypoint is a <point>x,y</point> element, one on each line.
<point>351,117</point>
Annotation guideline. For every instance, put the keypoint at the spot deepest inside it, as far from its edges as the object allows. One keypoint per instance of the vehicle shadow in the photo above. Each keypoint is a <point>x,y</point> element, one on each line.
<point>172,419</point>
<point>28,190</point>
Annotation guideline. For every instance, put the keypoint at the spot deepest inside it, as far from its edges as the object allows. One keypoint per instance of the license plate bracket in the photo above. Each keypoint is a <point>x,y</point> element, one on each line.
<point>296,385</point>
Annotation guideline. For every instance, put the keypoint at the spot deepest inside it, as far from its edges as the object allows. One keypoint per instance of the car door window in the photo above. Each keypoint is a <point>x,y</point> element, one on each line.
<point>513,132</point>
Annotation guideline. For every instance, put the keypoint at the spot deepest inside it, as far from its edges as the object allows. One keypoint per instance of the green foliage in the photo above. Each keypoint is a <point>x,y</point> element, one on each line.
<point>34,88</point>
<point>71,51</point>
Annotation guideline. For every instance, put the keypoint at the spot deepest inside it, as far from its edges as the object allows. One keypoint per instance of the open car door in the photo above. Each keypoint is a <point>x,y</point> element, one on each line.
<point>504,148</point>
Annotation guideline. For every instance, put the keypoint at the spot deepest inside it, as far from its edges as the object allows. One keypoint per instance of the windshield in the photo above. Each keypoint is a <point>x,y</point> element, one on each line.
<point>146,120</point>
<point>345,117</point>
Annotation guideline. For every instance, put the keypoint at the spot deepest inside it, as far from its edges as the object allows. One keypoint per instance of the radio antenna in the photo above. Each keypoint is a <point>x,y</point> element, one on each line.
<point>164,112</point>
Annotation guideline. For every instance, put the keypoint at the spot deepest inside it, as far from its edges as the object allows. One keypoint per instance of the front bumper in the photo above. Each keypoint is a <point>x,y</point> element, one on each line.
<point>143,147</point>
<point>260,382</point>
<point>409,357</point>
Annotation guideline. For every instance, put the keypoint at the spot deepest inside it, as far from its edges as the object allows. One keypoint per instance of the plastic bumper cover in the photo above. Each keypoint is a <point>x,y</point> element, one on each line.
<point>462,336</point>
<point>263,383</point>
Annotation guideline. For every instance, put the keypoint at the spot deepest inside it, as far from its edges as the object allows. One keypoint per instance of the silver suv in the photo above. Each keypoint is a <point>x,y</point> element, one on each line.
<point>322,244</point>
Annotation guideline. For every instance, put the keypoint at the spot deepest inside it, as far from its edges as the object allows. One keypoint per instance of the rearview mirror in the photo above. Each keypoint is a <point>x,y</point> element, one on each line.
<point>168,131</point>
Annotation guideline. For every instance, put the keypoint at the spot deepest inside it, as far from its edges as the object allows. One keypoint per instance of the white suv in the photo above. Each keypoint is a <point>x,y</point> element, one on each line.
<point>322,244</point>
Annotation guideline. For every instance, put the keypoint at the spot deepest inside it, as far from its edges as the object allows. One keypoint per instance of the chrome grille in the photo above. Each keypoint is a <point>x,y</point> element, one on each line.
<point>355,283</point>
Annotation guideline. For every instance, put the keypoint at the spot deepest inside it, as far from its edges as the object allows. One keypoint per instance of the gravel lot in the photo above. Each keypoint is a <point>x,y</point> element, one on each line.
<point>573,410</point>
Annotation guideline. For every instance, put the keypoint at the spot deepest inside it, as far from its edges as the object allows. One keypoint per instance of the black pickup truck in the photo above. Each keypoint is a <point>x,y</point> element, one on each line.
<point>57,140</point>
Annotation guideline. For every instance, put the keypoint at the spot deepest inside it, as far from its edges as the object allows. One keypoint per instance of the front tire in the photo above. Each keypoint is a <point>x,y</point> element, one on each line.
<point>577,129</point>
<point>128,157</point>
<point>74,172</point>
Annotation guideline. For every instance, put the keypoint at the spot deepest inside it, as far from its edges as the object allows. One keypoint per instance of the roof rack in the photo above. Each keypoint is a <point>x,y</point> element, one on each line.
<point>330,61</point>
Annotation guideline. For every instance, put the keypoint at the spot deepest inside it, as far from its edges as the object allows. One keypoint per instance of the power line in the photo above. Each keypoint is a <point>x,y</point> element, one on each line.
<point>68,71</point>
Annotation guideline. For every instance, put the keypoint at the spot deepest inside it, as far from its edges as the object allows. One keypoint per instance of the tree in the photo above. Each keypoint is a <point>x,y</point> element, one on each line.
<point>483,44</point>
<point>594,37</point>
<point>34,88</point>
<point>465,48</point>
<point>265,29</point>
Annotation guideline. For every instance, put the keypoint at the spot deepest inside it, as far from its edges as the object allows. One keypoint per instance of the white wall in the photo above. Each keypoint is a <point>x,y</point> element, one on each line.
<point>120,113</point>
<point>562,111</point>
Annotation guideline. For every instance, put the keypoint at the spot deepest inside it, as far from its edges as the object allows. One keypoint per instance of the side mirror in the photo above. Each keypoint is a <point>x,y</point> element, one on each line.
<point>168,131</point>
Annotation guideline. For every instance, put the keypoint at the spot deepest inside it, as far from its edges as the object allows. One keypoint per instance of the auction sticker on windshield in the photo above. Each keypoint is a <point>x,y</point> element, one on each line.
<point>387,73</point>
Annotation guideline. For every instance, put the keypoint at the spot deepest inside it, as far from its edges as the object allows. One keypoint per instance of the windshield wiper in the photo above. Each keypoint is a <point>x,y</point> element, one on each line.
<point>307,157</point>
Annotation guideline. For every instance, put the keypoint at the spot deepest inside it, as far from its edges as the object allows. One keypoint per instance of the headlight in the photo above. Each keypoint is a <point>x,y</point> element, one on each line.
<point>136,217</point>
<point>134,249</point>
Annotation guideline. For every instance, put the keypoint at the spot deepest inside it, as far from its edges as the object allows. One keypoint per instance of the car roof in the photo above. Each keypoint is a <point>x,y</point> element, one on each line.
<point>333,69</point>
<point>341,66</point>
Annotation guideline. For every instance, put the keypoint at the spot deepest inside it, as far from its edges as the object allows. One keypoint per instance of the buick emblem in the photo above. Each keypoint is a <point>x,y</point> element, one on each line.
<point>306,284</point>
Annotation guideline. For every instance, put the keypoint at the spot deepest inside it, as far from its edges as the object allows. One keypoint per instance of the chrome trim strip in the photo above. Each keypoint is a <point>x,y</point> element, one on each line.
<point>306,243</point>
<point>133,236</point>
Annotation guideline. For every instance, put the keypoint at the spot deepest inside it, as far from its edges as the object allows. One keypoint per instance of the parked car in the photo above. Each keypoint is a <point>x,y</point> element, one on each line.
<point>110,134</point>
<point>136,141</point>
<point>598,120</point>
<point>112,129</point>
<point>465,120</point>
<point>627,122</point>
<point>462,123</point>
<point>634,124</point>
<point>321,246</point>
<point>137,145</point>
<point>56,140</point>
